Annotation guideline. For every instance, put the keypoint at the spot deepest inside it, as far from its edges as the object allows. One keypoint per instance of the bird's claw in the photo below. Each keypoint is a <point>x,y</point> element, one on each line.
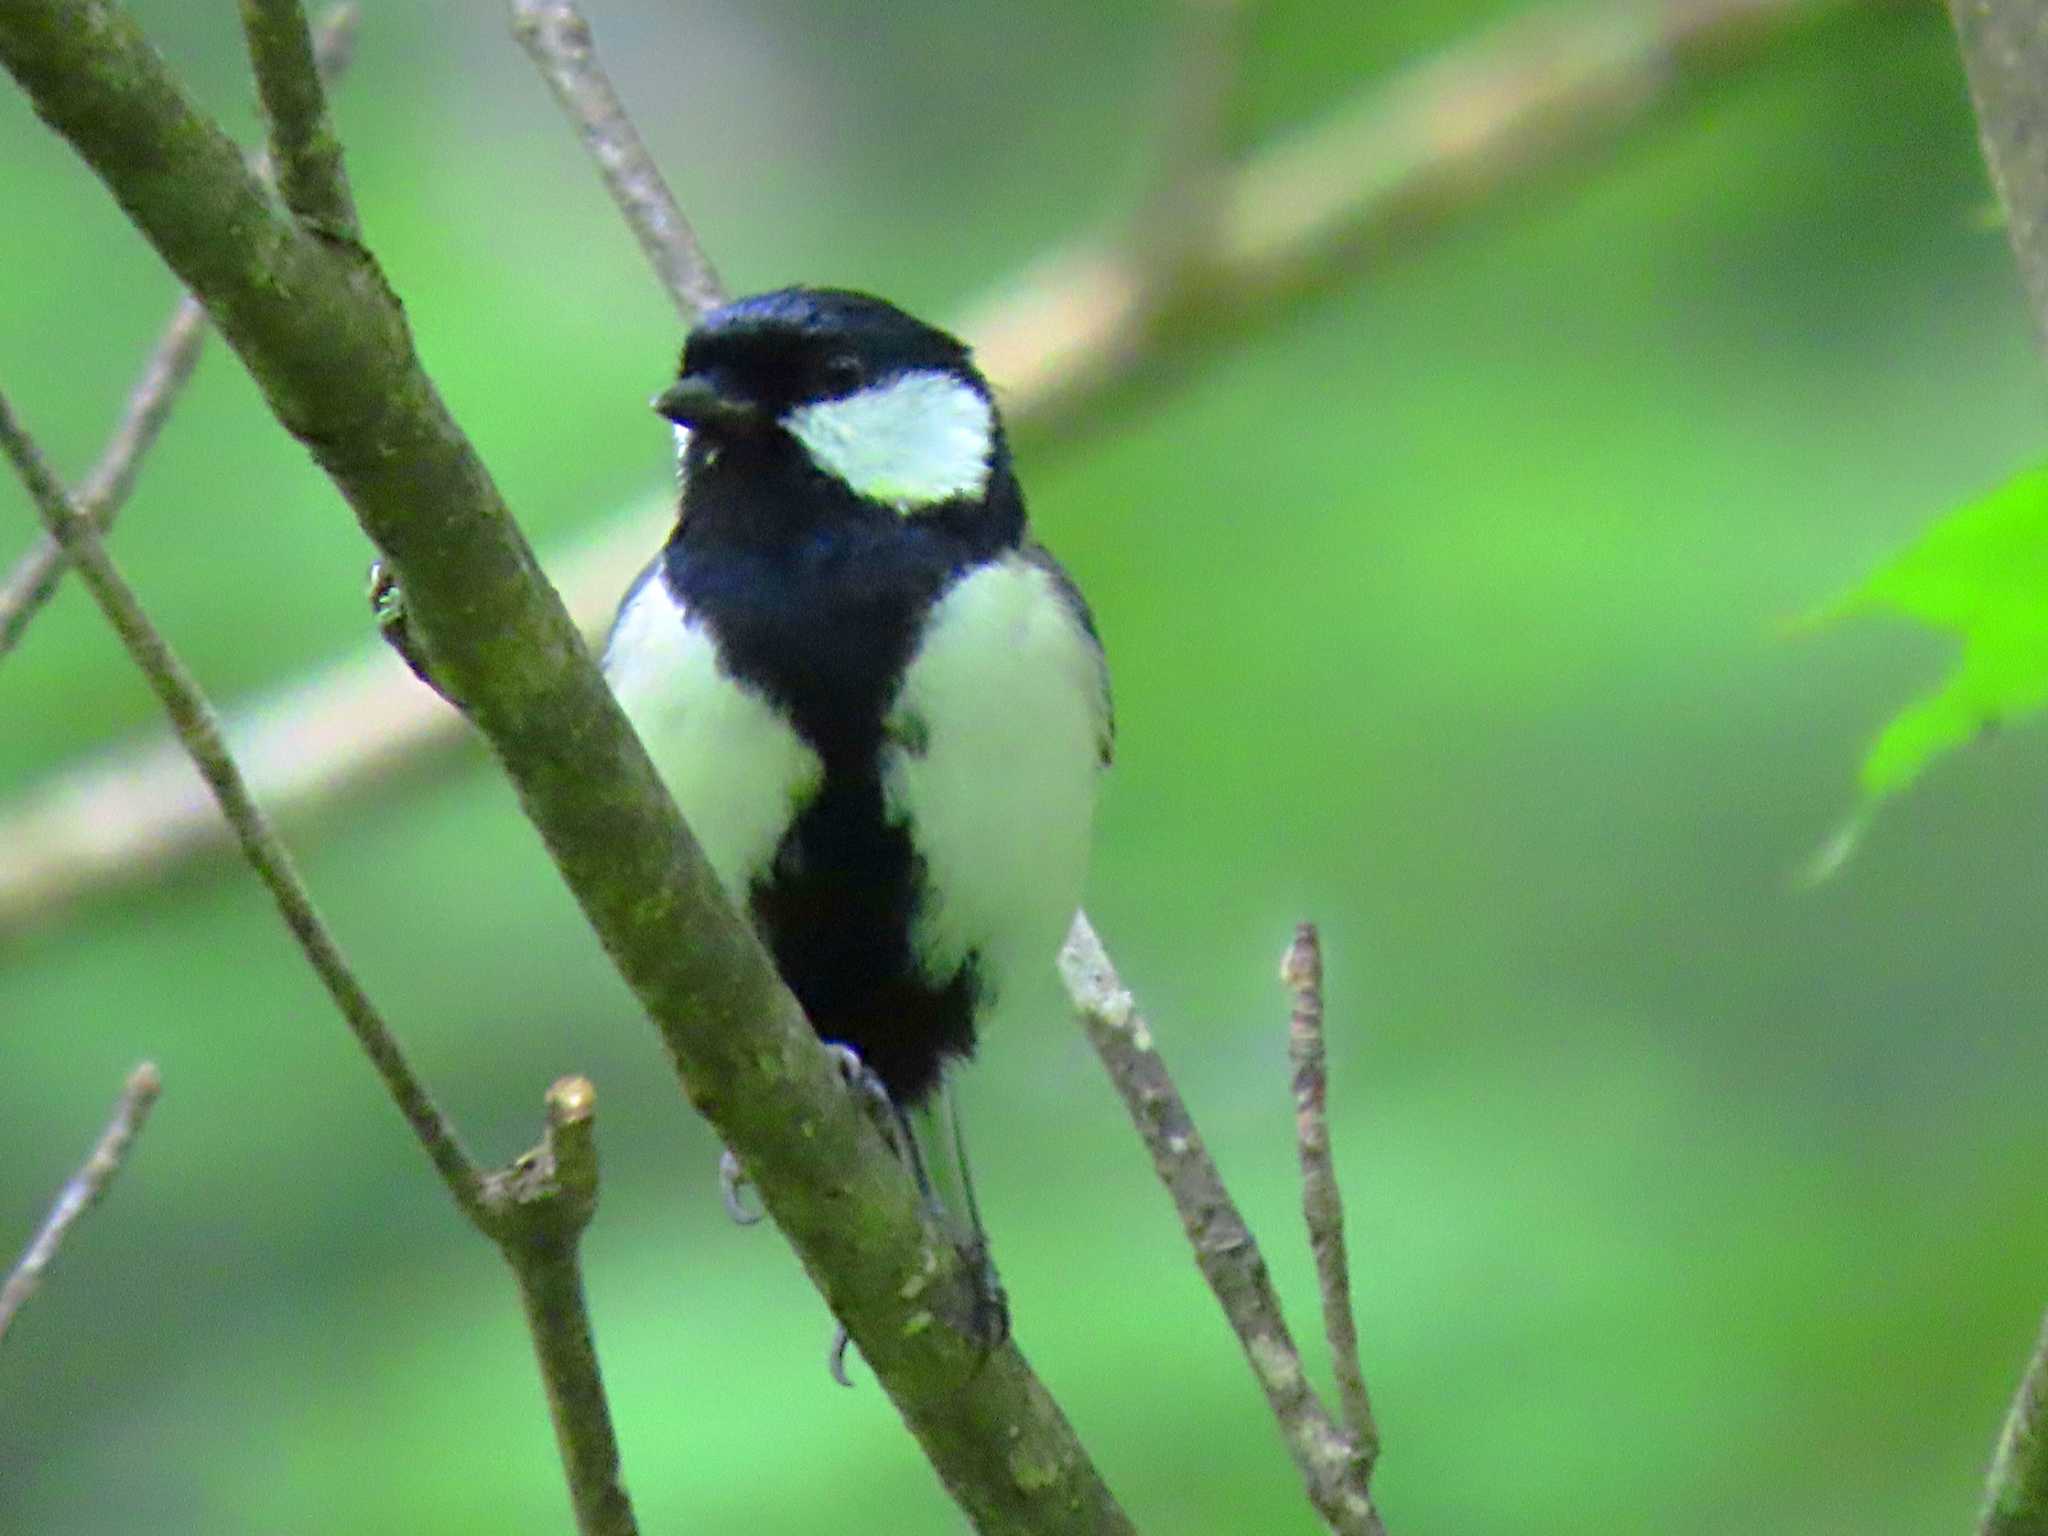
<point>835,1362</point>
<point>989,1320</point>
<point>387,607</point>
<point>987,1323</point>
<point>732,1179</point>
<point>858,1074</point>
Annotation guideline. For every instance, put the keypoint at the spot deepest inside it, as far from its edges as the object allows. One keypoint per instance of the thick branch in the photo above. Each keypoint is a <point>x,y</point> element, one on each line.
<point>2005,53</point>
<point>303,148</point>
<point>537,1211</point>
<point>193,720</point>
<point>1322,1206</point>
<point>1331,1467</point>
<point>558,39</point>
<point>80,1191</point>
<point>327,343</point>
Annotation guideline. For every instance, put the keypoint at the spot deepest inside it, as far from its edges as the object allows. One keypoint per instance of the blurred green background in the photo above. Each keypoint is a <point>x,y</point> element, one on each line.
<point>1449,606</point>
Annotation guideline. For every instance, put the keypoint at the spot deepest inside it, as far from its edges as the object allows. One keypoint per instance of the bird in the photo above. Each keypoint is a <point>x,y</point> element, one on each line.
<point>881,705</point>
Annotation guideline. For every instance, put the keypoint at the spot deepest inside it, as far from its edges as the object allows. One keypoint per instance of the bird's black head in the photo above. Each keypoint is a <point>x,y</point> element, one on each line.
<point>884,410</point>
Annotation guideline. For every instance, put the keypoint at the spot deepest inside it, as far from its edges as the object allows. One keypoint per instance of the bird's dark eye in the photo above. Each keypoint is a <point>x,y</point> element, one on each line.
<point>843,373</point>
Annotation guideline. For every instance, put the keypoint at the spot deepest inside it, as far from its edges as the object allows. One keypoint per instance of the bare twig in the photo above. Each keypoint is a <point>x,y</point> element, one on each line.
<point>36,575</point>
<point>557,37</point>
<point>1301,970</point>
<point>193,719</point>
<point>536,1211</point>
<point>1331,1467</point>
<point>81,1191</point>
<point>1368,180</point>
<point>303,149</point>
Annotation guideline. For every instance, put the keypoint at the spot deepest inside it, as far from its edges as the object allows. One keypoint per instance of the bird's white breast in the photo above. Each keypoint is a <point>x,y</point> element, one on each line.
<point>1005,698</point>
<point>737,770</point>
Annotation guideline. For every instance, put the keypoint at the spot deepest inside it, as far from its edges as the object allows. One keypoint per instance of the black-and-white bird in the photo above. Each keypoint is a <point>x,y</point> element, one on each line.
<point>881,706</point>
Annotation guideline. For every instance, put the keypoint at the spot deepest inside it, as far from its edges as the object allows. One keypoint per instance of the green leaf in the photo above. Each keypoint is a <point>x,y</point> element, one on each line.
<point>1981,572</point>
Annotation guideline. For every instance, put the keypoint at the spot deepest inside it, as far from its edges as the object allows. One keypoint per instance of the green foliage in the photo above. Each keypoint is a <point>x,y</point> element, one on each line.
<point>1982,574</point>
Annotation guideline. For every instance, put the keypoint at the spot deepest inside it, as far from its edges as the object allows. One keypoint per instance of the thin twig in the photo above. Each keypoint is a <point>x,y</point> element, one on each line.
<point>35,577</point>
<point>556,36</point>
<point>193,719</point>
<point>1322,1207</point>
<point>303,149</point>
<point>81,1191</point>
<point>1330,1465</point>
<point>1367,181</point>
<point>537,1211</point>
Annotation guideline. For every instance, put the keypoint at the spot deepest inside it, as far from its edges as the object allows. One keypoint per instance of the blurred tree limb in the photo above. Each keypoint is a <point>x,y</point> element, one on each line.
<point>1366,181</point>
<point>313,320</point>
<point>80,1191</point>
<point>2005,54</point>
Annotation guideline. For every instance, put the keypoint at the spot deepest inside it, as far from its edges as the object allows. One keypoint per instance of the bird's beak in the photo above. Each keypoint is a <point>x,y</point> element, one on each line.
<point>699,400</point>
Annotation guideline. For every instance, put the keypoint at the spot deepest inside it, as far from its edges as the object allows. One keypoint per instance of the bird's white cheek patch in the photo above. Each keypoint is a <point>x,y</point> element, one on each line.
<point>914,441</point>
<point>737,770</point>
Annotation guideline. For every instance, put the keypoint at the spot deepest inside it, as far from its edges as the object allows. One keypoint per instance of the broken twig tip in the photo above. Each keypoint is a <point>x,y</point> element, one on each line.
<point>571,1101</point>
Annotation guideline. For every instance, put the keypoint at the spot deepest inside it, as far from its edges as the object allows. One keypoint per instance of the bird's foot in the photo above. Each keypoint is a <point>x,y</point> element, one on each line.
<point>987,1318</point>
<point>987,1321</point>
<point>387,607</point>
<point>859,1076</point>
<point>732,1179</point>
<point>835,1357</point>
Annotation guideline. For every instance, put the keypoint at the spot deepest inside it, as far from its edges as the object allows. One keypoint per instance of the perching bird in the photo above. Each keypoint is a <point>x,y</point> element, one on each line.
<point>882,708</point>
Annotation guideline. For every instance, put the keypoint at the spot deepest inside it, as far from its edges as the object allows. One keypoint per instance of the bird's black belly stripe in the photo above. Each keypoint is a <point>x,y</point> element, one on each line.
<point>824,626</point>
<point>836,907</point>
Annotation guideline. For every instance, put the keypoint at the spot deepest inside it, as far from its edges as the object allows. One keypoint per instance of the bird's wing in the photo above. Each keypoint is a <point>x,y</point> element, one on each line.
<point>1063,584</point>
